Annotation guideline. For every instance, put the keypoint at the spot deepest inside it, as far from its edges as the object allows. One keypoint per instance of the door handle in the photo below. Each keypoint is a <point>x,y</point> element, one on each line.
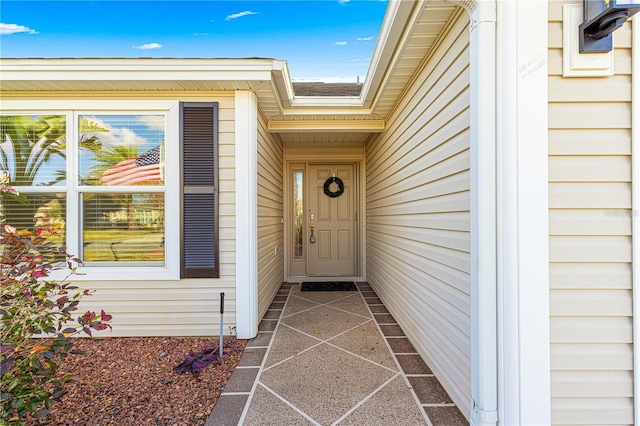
<point>312,239</point>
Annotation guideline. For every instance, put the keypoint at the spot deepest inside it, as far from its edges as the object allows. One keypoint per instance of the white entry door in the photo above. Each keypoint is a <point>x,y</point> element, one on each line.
<point>332,216</point>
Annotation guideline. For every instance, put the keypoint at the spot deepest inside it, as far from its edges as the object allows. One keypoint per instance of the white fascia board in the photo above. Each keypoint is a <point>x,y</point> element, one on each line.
<point>328,101</point>
<point>292,126</point>
<point>139,75</point>
<point>282,85</point>
<point>397,19</point>
<point>133,70</point>
<point>135,64</point>
<point>327,110</point>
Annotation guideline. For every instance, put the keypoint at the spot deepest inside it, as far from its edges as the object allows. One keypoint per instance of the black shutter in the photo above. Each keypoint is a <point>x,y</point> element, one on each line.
<point>199,141</point>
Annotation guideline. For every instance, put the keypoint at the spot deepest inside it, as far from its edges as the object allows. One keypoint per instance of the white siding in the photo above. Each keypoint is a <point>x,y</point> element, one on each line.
<point>270,214</point>
<point>417,188</point>
<point>188,307</point>
<point>590,238</point>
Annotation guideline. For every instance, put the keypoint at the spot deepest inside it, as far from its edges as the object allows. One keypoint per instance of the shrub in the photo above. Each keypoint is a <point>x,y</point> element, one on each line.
<point>31,305</point>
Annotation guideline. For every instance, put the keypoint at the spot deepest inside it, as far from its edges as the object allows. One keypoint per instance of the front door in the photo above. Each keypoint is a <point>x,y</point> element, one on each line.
<point>332,218</point>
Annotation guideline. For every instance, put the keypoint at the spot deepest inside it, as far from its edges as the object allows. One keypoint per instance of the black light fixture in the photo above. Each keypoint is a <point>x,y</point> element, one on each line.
<point>601,18</point>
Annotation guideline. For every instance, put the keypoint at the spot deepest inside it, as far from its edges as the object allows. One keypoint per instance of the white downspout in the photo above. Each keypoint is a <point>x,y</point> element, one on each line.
<point>635,208</point>
<point>484,354</point>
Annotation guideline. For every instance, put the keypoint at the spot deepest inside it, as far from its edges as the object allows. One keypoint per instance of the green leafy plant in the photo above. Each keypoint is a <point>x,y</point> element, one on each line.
<point>32,305</point>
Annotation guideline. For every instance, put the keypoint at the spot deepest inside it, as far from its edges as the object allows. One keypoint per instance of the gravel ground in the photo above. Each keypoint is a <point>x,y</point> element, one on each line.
<point>131,381</point>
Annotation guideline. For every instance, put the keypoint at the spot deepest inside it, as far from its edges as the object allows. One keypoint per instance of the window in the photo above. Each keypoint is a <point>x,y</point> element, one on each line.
<point>120,184</point>
<point>32,150</point>
<point>97,179</point>
<point>109,184</point>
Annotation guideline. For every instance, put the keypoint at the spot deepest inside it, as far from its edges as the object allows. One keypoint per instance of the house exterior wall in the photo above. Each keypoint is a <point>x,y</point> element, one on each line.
<point>187,307</point>
<point>270,215</point>
<point>417,205</point>
<point>590,247</point>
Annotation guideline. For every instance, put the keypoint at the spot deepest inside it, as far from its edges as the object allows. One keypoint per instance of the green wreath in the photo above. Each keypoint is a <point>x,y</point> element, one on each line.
<point>330,193</point>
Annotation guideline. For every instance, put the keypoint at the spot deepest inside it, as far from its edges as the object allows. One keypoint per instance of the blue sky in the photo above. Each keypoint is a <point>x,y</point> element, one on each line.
<point>331,40</point>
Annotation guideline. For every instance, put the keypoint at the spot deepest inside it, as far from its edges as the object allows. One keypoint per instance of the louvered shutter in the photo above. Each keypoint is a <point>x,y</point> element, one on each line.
<point>199,140</point>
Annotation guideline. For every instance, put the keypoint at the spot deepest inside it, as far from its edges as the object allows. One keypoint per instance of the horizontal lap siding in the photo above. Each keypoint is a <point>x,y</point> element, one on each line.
<point>590,238</point>
<point>188,307</point>
<point>270,214</point>
<point>418,214</point>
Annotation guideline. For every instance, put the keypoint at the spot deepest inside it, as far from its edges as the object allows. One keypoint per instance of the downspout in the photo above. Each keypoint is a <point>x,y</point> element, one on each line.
<point>635,207</point>
<point>484,342</point>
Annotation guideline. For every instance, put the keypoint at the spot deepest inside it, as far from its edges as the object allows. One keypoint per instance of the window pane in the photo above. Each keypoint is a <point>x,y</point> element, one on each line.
<point>298,212</point>
<point>33,149</point>
<point>121,149</point>
<point>123,228</point>
<point>43,211</point>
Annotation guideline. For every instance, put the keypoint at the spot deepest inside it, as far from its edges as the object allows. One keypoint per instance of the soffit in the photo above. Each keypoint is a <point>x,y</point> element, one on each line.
<point>413,49</point>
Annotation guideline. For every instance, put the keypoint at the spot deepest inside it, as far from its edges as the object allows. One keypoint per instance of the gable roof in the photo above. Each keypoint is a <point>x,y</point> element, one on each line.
<point>320,88</point>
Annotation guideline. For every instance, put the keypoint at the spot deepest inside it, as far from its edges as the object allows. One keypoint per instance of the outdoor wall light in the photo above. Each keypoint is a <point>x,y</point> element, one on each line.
<point>601,18</point>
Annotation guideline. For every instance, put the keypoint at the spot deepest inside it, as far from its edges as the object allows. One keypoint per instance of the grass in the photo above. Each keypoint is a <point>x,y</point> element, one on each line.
<point>123,245</point>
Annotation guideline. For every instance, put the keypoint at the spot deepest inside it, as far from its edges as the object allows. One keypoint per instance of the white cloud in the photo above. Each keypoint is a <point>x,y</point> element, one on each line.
<point>343,1</point>
<point>8,29</point>
<point>125,136</point>
<point>200,34</point>
<point>240,15</point>
<point>152,121</point>
<point>148,46</point>
<point>365,38</point>
<point>354,60</point>
<point>340,43</point>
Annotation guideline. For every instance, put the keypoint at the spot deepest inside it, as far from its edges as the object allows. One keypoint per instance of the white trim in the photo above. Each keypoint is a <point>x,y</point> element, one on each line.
<point>246,195</point>
<point>96,105</point>
<point>574,63</point>
<point>288,126</point>
<point>398,18</point>
<point>635,208</point>
<point>523,235</point>
<point>483,215</point>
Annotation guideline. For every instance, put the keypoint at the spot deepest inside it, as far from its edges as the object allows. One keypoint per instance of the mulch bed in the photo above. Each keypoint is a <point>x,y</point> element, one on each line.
<point>131,381</point>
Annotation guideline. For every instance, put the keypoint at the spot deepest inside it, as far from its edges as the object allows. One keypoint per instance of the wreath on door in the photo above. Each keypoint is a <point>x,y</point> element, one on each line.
<point>333,194</point>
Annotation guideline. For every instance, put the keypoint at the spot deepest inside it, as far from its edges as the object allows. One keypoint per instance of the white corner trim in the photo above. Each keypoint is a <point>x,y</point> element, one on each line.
<point>523,241</point>
<point>574,63</point>
<point>635,208</point>
<point>246,176</point>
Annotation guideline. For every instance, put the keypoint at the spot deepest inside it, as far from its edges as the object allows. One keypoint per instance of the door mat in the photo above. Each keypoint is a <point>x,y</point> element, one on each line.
<point>329,286</point>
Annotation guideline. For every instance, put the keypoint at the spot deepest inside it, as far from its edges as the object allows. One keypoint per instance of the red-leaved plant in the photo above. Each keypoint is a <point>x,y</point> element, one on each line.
<point>31,305</point>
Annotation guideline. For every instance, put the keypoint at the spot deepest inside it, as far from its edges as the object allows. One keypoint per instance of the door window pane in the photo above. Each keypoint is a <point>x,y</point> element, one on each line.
<point>298,215</point>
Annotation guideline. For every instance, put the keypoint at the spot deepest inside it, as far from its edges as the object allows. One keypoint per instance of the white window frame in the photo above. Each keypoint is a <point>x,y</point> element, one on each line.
<point>72,110</point>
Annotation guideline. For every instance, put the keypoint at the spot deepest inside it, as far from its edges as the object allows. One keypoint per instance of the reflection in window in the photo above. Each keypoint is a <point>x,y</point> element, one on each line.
<point>123,227</point>
<point>121,150</point>
<point>33,149</point>
<point>298,215</point>
<point>44,213</point>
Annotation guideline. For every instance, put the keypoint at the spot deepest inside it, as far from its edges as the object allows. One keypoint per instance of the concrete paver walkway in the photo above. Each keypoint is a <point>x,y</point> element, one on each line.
<point>332,358</point>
